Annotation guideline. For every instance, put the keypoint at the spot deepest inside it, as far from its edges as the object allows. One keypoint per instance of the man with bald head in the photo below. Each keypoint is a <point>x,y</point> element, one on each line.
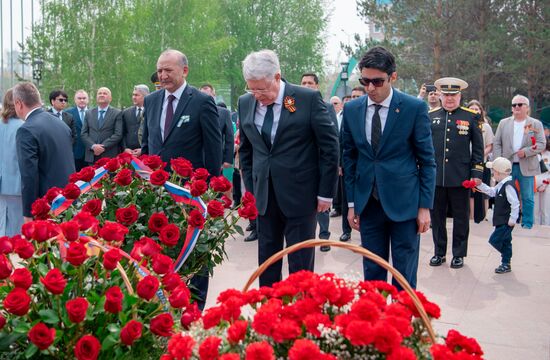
<point>520,138</point>
<point>102,129</point>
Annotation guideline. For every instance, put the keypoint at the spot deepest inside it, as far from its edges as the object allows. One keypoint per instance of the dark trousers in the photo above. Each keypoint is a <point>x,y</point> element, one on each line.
<point>457,201</point>
<point>323,218</point>
<point>346,228</point>
<point>501,240</point>
<point>379,234</point>
<point>273,229</point>
<point>337,201</point>
<point>199,287</point>
<point>237,192</point>
<point>79,164</point>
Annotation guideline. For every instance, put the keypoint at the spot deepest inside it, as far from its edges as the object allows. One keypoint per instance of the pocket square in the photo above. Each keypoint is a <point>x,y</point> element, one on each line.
<point>183,119</point>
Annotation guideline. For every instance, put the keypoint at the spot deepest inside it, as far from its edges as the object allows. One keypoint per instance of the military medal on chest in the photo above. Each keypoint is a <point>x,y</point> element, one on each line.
<point>462,126</point>
<point>436,120</point>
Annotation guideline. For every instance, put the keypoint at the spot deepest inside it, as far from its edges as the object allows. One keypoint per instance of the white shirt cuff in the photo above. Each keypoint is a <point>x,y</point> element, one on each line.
<point>350,205</point>
<point>324,199</point>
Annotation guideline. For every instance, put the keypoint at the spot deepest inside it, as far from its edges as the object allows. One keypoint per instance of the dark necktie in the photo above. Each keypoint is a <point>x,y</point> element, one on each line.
<point>376,129</point>
<point>268,126</point>
<point>169,115</point>
<point>101,118</point>
<point>138,116</point>
<point>60,116</point>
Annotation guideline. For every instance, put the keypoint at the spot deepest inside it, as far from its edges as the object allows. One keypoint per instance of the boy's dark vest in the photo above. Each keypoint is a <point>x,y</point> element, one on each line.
<point>502,208</point>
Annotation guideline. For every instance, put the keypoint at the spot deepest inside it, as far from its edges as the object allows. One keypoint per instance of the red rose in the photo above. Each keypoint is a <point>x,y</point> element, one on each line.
<point>170,235</point>
<point>54,281</point>
<point>76,309</point>
<point>93,206</point>
<point>71,191</point>
<point>113,300</point>
<point>2,322</point>
<point>130,332</point>
<point>6,244</point>
<point>196,219</point>
<point>157,221</point>
<point>124,177</point>
<point>191,314</point>
<point>5,267</point>
<point>182,167</point>
<point>87,348</point>
<point>86,174</point>
<point>220,184</point>
<point>112,165</point>
<point>226,202</point>
<point>127,216</point>
<point>112,231</point>
<point>154,162</point>
<point>200,174</point>
<point>237,331</point>
<point>136,253</point>
<point>248,211</point>
<point>259,351</point>
<point>147,287</point>
<point>39,230</point>
<point>198,187</point>
<point>76,254</point>
<point>111,258</point>
<point>149,246</point>
<point>23,248</point>
<point>159,177</point>
<point>162,324</point>
<point>41,336</point>
<point>40,209</point>
<point>171,281</point>
<point>248,198</point>
<point>181,346</point>
<point>125,158</point>
<point>21,278</point>
<point>52,193</point>
<point>215,209</point>
<point>71,230</point>
<point>209,349</point>
<point>180,297</point>
<point>162,264</point>
<point>101,162</point>
<point>17,302</point>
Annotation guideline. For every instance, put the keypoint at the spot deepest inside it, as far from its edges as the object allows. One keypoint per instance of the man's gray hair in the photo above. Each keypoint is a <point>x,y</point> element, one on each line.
<point>27,93</point>
<point>142,88</point>
<point>524,99</point>
<point>181,56</point>
<point>263,64</point>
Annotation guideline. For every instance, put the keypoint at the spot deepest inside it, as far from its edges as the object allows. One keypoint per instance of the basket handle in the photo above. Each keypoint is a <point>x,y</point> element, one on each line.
<point>356,249</point>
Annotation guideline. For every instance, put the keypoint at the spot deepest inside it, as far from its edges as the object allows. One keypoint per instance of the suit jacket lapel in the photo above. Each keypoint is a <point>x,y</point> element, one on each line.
<point>284,120</point>
<point>249,120</point>
<point>362,124</point>
<point>182,104</point>
<point>393,114</point>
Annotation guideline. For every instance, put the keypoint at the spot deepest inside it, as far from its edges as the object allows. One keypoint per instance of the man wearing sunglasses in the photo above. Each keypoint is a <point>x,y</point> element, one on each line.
<point>59,101</point>
<point>389,168</point>
<point>520,138</point>
<point>458,147</point>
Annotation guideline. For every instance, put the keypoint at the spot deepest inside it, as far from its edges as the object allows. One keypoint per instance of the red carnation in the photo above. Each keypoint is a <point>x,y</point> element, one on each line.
<point>147,287</point>
<point>52,193</point>
<point>113,300</point>
<point>40,209</point>
<point>198,187</point>
<point>17,302</point>
<point>171,281</point>
<point>303,349</point>
<point>215,209</point>
<point>127,216</point>
<point>154,162</point>
<point>54,281</point>
<point>41,336</point>
<point>112,231</point>
<point>162,264</point>
<point>21,278</point>
<point>23,248</point>
<point>180,297</point>
<point>237,331</point>
<point>359,333</point>
<point>157,221</point>
<point>76,309</point>
<point>5,267</point>
<point>71,191</point>
<point>182,167</point>
<point>87,348</point>
<point>196,219</point>
<point>259,351</point>
<point>469,184</point>
<point>159,177</point>
<point>111,258</point>
<point>248,211</point>
<point>209,349</point>
<point>124,177</point>
<point>220,184</point>
<point>112,165</point>
<point>181,346</point>
<point>170,235</point>
<point>162,324</point>
<point>71,230</point>
<point>192,313</point>
<point>76,254</point>
<point>131,332</point>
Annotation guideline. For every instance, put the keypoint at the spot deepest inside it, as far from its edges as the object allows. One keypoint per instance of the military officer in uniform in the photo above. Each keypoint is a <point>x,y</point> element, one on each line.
<point>458,145</point>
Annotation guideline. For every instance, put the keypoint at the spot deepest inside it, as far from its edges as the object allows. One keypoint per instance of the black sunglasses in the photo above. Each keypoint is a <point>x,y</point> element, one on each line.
<point>62,100</point>
<point>378,82</point>
<point>518,105</point>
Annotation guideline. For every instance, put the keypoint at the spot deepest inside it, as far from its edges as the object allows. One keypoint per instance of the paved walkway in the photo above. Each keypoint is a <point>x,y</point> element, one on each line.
<point>509,314</point>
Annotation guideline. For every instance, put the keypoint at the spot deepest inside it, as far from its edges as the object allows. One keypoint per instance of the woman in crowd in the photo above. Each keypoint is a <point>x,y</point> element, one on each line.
<point>11,206</point>
<point>479,202</point>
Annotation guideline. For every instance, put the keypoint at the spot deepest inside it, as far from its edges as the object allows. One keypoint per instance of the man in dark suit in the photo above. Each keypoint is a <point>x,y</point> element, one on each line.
<point>289,156</point>
<point>132,121</point>
<point>389,168</point>
<point>102,129</point>
<point>44,147</point>
<point>180,121</point>
<point>79,113</point>
<point>58,101</point>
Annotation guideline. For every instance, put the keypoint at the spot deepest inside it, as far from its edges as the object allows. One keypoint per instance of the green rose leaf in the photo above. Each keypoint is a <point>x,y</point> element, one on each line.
<point>48,316</point>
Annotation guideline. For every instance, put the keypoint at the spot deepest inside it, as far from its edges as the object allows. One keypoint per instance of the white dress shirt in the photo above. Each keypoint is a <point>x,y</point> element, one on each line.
<point>262,109</point>
<point>383,112</point>
<point>175,102</point>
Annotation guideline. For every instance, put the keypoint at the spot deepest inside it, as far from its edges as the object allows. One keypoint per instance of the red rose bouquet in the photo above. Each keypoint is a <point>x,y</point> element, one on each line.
<point>310,316</point>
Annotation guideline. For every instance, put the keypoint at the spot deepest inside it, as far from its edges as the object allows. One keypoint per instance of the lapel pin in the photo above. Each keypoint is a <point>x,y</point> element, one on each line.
<point>397,111</point>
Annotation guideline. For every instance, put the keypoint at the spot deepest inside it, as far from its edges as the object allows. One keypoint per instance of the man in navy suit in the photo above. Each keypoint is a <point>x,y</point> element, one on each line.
<point>44,147</point>
<point>79,113</point>
<point>58,101</point>
<point>389,168</point>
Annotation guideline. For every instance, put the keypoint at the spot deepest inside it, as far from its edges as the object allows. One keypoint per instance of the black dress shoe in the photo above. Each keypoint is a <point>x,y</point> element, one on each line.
<point>325,248</point>
<point>252,236</point>
<point>249,227</point>
<point>335,213</point>
<point>457,262</point>
<point>345,237</point>
<point>437,260</point>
